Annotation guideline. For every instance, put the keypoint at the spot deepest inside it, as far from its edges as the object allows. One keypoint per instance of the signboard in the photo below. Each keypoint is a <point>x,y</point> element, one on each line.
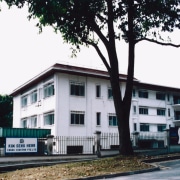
<point>21,145</point>
<point>174,135</point>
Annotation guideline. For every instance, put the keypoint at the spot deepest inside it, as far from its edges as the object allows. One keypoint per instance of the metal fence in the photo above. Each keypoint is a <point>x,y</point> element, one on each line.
<point>63,145</point>
<point>109,141</point>
<point>73,145</point>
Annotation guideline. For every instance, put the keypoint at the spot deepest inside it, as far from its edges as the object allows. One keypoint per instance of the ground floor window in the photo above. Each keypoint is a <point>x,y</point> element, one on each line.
<point>161,127</point>
<point>24,123</point>
<point>34,121</point>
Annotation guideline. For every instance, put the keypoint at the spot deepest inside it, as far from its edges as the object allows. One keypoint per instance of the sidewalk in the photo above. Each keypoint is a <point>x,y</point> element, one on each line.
<point>20,162</point>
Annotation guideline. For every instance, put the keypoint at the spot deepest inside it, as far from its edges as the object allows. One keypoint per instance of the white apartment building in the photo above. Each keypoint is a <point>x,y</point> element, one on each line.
<point>76,101</point>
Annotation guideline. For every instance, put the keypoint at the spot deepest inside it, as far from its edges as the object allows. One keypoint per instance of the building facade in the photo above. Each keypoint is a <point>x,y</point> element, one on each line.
<point>76,101</point>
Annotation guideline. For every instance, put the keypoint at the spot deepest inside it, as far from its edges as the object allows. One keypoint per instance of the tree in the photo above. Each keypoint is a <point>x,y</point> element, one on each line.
<point>6,111</point>
<point>91,22</point>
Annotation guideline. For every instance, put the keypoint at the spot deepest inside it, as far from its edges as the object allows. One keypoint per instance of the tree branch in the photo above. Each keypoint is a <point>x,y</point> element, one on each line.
<point>99,33</point>
<point>157,42</point>
<point>100,54</point>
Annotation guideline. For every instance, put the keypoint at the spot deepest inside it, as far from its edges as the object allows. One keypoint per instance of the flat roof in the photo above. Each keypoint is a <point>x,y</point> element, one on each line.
<point>81,71</point>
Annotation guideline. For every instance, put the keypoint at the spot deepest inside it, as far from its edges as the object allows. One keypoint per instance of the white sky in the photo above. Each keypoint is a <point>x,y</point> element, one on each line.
<point>25,53</point>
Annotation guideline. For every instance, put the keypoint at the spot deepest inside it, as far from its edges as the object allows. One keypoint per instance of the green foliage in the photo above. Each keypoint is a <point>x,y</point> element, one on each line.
<point>6,111</point>
<point>78,19</point>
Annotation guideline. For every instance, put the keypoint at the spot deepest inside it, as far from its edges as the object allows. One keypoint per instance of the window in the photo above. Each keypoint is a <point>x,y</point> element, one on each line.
<point>143,94</point>
<point>135,127</point>
<point>77,118</point>
<point>134,109</point>
<point>143,110</point>
<point>34,96</point>
<point>110,96</point>
<point>161,127</point>
<point>134,93</point>
<point>24,123</point>
<point>176,99</point>
<point>98,118</point>
<point>49,119</point>
<point>112,120</point>
<point>98,91</point>
<point>144,127</point>
<point>169,112</point>
<point>34,121</point>
<point>160,96</point>
<point>168,98</point>
<point>48,90</point>
<point>77,88</point>
<point>24,101</point>
<point>161,112</point>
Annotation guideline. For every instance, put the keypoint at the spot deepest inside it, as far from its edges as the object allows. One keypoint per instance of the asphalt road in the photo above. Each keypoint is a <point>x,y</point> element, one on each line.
<point>170,170</point>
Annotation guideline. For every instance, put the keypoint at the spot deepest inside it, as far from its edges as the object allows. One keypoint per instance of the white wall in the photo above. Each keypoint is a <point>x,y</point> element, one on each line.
<point>62,103</point>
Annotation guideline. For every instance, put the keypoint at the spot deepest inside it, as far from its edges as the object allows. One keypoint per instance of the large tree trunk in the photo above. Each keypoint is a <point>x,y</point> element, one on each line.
<point>123,105</point>
<point>122,109</point>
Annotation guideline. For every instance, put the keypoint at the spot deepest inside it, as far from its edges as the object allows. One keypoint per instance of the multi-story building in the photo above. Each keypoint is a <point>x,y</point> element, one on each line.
<point>73,100</point>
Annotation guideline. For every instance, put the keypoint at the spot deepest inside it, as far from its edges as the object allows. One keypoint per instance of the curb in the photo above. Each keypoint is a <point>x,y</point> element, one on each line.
<point>5,167</point>
<point>161,159</point>
<point>156,168</point>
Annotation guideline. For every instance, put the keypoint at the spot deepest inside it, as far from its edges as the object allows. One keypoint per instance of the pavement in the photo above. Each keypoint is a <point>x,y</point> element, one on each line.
<point>8,163</point>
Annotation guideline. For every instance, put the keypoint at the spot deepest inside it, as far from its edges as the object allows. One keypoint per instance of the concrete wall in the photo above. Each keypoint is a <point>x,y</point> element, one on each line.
<point>62,103</point>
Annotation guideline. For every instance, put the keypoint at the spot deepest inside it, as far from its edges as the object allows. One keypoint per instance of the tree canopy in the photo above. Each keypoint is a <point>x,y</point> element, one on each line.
<point>91,22</point>
<point>6,111</point>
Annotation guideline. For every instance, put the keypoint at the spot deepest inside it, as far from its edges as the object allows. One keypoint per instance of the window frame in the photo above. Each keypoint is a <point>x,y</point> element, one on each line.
<point>33,121</point>
<point>160,96</point>
<point>161,127</point>
<point>134,109</point>
<point>98,91</point>
<point>77,88</point>
<point>143,94</point>
<point>24,123</point>
<point>48,90</point>
<point>110,94</point>
<point>143,111</point>
<point>161,112</point>
<point>49,115</point>
<point>33,96</point>
<point>113,121</point>
<point>144,127</point>
<point>98,118</point>
<point>77,118</point>
<point>134,93</point>
<point>24,101</point>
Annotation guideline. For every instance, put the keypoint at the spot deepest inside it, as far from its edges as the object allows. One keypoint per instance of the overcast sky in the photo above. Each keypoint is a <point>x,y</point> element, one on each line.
<point>24,53</point>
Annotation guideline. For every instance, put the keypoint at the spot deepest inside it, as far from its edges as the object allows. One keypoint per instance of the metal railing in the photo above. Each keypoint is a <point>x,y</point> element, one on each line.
<point>63,145</point>
<point>73,145</point>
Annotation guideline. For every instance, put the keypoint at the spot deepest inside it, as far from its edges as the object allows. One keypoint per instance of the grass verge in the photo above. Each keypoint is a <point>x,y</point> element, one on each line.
<point>98,167</point>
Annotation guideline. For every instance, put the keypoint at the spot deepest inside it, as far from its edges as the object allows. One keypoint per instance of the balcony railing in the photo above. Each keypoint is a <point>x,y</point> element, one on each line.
<point>152,135</point>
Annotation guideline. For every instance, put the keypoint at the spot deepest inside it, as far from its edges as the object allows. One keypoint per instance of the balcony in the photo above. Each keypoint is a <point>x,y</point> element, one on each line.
<point>176,103</point>
<point>177,117</point>
<point>152,135</point>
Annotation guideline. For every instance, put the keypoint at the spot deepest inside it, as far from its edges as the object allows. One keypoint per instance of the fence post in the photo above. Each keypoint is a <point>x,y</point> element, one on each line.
<point>135,139</point>
<point>168,140</point>
<point>50,144</point>
<point>98,143</point>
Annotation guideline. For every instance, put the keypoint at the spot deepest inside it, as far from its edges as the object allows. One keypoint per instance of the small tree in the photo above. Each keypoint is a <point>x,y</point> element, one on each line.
<point>6,111</point>
<point>91,22</point>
